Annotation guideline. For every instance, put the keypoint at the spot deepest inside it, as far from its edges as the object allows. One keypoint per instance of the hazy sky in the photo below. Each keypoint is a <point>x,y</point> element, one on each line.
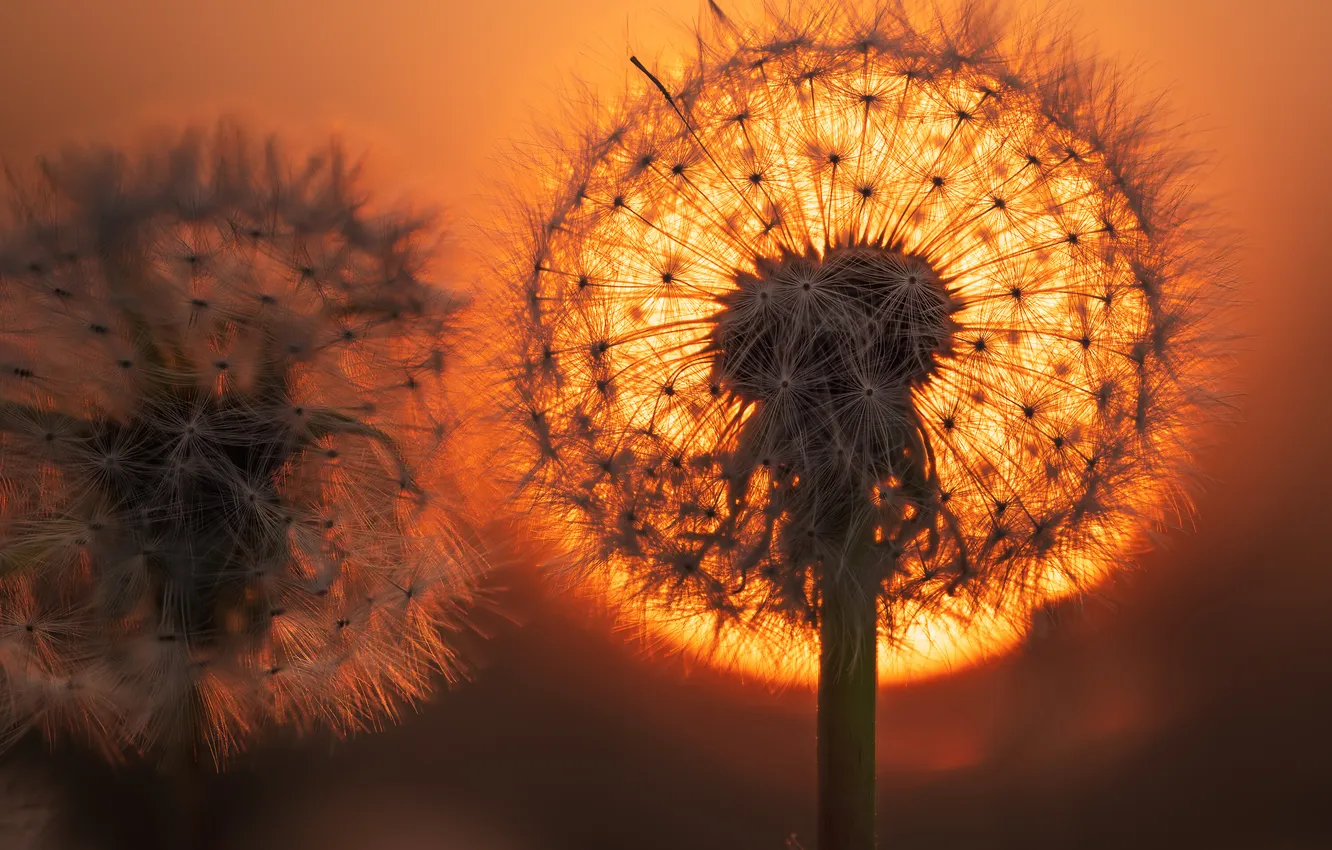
<point>1190,710</point>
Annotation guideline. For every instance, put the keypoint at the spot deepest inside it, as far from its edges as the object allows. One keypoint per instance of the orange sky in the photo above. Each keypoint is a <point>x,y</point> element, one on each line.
<point>437,86</point>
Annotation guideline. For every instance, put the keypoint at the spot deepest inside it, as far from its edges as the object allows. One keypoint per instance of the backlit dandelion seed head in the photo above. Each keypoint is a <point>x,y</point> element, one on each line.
<point>224,500</point>
<point>849,272</point>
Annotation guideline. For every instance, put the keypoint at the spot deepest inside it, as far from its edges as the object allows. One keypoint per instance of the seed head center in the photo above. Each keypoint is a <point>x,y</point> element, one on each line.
<point>204,501</point>
<point>834,341</point>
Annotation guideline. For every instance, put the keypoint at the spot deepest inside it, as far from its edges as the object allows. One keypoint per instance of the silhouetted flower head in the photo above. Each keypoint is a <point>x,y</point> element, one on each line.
<point>859,291</point>
<point>223,500</point>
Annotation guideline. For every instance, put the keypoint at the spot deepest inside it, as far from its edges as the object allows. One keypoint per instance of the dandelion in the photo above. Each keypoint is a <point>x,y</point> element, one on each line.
<point>855,342</point>
<point>223,423</point>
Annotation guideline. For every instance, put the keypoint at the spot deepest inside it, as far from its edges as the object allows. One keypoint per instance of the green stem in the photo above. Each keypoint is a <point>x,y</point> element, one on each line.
<point>848,683</point>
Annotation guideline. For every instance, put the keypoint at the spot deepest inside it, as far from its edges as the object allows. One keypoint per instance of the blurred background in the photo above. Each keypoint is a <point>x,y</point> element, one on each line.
<point>1186,707</point>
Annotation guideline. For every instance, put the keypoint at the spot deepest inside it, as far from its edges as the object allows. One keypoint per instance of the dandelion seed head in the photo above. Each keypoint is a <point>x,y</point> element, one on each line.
<point>224,435</point>
<point>861,269</point>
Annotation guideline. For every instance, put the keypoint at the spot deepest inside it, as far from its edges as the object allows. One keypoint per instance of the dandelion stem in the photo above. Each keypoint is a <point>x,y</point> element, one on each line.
<point>848,682</point>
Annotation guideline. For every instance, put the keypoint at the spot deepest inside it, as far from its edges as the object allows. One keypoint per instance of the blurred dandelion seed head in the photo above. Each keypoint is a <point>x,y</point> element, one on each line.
<point>861,268</point>
<point>224,489</point>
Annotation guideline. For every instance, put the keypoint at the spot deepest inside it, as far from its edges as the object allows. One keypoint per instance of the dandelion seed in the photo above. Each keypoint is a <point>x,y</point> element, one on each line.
<point>223,436</point>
